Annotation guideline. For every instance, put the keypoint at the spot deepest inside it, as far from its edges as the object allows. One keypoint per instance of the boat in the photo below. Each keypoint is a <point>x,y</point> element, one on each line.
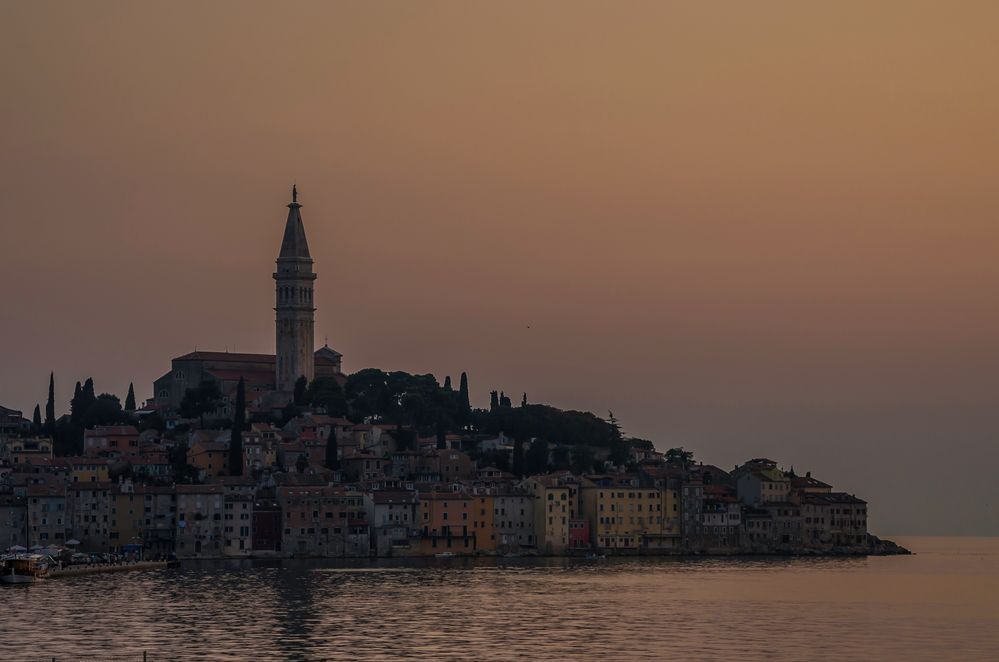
<point>594,557</point>
<point>24,568</point>
<point>445,555</point>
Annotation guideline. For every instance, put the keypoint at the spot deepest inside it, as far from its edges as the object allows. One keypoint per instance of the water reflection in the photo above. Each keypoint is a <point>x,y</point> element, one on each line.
<point>937,604</point>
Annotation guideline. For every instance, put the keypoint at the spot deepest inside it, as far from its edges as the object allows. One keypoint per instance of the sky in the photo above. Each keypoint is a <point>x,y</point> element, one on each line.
<point>749,229</point>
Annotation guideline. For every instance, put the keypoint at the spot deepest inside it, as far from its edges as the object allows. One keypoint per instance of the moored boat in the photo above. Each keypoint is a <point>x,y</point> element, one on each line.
<point>23,568</point>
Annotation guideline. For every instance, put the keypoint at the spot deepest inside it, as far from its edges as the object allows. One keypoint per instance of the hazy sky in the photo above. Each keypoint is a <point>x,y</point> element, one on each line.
<point>752,229</point>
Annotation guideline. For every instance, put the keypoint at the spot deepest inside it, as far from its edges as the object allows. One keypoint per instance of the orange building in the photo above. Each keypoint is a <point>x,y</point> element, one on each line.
<point>209,457</point>
<point>448,523</point>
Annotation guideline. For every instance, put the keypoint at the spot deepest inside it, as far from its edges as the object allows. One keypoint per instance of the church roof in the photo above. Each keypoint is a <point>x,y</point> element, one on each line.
<point>328,352</point>
<point>294,244</point>
<point>323,356</point>
<point>226,356</point>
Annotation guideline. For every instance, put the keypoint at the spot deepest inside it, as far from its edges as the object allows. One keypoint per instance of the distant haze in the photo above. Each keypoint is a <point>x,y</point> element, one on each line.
<point>751,229</point>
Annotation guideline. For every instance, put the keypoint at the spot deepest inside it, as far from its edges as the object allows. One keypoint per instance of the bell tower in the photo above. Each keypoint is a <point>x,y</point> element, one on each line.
<point>294,280</point>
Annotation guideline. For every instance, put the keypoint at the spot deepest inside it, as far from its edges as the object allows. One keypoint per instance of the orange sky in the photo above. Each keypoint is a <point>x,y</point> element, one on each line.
<point>748,228</point>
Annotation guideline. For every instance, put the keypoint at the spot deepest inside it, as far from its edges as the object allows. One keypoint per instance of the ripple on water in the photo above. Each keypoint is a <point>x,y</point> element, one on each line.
<point>929,606</point>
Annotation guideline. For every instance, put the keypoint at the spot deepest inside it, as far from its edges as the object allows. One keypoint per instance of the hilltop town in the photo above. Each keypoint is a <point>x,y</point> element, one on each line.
<point>286,455</point>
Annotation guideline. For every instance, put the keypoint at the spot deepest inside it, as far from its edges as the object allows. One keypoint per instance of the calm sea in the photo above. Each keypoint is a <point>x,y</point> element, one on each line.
<point>942,603</point>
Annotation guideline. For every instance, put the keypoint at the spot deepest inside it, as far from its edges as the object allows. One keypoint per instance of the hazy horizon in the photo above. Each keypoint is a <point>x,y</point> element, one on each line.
<point>748,230</point>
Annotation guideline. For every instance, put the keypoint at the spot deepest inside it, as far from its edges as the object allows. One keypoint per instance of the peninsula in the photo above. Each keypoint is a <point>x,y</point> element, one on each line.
<point>285,455</point>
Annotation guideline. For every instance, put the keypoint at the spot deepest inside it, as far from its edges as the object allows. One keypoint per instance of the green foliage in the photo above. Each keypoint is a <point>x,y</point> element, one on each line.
<point>67,438</point>
<point>569,428</point>
<point>518,458</point>
<point>440,432</point>
<point>289,412</point>
<point>75,412</point>
<point>498,458</point>
<point>494,402</point>
<point>504,400</point>
<point>301,385</point>
<point>36,421</point>
<point>582,460</point>
<point>327,393</point>
<point>201,400</point>
<point>464,404</point>
<point>679,457</point>
<point>447,383</point>
<point>644,444</point>
<point>332,454</point>
<point>130,398</point>
<point>560,458</point>
<point>536,458</point>
<point>83,400</point>
<point>50,407</point>
<point>619,454</point>
<point>401,398</point>
<point>152,421</point>
<point>182,471</point>
<point>405,438</point>
<point>105,410</point>
<point>236,438</point>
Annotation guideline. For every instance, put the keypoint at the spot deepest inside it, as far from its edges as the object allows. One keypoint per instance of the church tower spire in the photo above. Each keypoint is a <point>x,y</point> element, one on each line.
<point>294,280</point>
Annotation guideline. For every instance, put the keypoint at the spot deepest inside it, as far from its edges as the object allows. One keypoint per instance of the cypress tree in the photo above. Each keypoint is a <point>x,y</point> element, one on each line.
<point>50,407</point>
<point>76,404</point>
<point>130,398</point>
<point>463,400</point>
<point>523,400</point>
<point>36,421</point>
<point>441,432</point>
<point>447,383</point>
<point>332,459</point>
<point>504,401</point>
<point>236,440</point>
<point>301,385</point>
<point>87,396</point>
<point>493,401</point>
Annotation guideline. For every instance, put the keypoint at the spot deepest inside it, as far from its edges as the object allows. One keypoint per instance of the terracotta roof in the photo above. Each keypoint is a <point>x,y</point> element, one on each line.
<point>199,489</point>
<point>227,356</point>
<point>111,430</point>
<point>808,481</point>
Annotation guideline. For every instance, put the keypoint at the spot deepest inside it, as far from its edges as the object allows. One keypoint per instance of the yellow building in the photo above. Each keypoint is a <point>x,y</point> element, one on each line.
<point>127,517</point>
<point>556,505</point>
<point>622,515</point>
<point>211,458</point>
<point>29,451</point>
<point>483,522</point>
<point>88,470</point>
<point>666,533</point>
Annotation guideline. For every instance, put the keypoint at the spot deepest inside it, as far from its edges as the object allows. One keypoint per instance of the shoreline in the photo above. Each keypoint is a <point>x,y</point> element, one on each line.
<point>881,548</point>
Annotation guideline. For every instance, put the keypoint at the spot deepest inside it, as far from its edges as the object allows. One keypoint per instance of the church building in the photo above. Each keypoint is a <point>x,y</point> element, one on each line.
<point>295,355</point>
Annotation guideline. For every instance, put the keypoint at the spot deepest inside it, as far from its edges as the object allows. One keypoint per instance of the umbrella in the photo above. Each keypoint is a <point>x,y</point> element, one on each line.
<point>73,542</point>
<point>17,548</point>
